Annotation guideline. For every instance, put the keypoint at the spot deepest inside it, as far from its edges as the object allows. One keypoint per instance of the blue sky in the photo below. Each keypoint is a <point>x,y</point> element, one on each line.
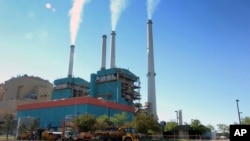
<point>201,48</point>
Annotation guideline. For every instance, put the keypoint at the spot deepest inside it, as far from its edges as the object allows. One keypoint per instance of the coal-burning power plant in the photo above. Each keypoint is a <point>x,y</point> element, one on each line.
<point>110,91</point>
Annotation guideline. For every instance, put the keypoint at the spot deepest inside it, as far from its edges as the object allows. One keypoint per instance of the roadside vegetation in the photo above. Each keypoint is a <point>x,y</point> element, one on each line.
<point>143,123</point>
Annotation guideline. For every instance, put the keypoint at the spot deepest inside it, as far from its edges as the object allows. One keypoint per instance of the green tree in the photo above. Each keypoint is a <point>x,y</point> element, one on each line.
<point>102,118</point>
<point>170,126</point>
<point>223,128</point>
<point>195,124</point>
<point>1,129</point>
<point>119,119</point>
<point>246,121</point>
<point>128,125</point>
<point>8,124</point>
<point>101,123</point>
<point>22,128</point>
<point>198,128</point>
<point>85,123</point>
<point>34,125</point>
<point>143,122</point>
<point>211,127</point>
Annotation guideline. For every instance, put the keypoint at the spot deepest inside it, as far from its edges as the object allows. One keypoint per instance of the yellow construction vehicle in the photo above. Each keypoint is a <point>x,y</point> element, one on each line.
<point>40,134</point>
<point>118,134</point>
<point>24,136</point>
<point>51,136</point>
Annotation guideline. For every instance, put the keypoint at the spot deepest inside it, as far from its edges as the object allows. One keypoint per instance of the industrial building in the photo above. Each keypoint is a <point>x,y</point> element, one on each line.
<point>110,91</point>
<point>22,90</point>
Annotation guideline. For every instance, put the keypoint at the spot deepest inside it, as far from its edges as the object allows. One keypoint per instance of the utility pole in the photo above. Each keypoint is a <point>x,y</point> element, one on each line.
<point>237,101</point>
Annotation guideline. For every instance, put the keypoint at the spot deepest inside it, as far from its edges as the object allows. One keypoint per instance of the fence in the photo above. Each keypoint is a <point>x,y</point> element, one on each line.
<point>178,138</point>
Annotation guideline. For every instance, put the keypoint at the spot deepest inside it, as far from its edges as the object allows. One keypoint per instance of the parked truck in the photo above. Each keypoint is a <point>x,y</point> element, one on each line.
<point>40,134</point>
<point>116,134</point>
<point>51,136</point>
<point>24,136</point>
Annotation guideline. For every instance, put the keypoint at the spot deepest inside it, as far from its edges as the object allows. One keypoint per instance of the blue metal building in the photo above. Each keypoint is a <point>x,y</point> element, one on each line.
<point>109,91</point>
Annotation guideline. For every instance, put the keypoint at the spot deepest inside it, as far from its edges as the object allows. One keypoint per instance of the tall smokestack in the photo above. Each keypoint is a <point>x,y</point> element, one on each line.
<point>112,58</point>
<point>72,47</point>
<point>151,73</point>
<point>103,62</point>
<point>180,117</point>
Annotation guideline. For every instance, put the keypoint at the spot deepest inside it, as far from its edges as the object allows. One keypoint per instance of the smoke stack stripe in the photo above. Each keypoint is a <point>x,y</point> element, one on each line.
<point>112,58</point>
<point>151,73</point>
<point>103,61</point>
<point>70,73</point>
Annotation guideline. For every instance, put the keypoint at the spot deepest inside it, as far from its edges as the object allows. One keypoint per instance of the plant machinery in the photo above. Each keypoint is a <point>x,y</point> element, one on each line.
<point>40,134</point>
<point>24,136</point>
<point>51,136</point>
<point>117,134</point>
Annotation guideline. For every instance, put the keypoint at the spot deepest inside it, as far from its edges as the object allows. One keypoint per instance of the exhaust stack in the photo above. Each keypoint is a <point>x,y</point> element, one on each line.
<point>112,58</point>
<point>103,61</point>
<point>180,117</point>
<point>72,47</point>
<point>151,72</point>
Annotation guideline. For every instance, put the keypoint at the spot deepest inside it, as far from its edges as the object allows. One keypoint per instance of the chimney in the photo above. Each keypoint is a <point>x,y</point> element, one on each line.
<point>103,61</point>
<point>180,117</point>
<point>151,73</point>
<point>112,59</point>
<point>71,61</point>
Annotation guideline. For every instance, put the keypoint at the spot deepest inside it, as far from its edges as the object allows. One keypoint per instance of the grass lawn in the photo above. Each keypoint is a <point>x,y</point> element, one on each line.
<point>3,137</point>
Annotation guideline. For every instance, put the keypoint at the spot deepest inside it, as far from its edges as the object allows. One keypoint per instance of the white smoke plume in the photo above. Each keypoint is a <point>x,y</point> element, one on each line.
<point>151,4</point>
<point>76,18</point>
<point>116,7</point>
